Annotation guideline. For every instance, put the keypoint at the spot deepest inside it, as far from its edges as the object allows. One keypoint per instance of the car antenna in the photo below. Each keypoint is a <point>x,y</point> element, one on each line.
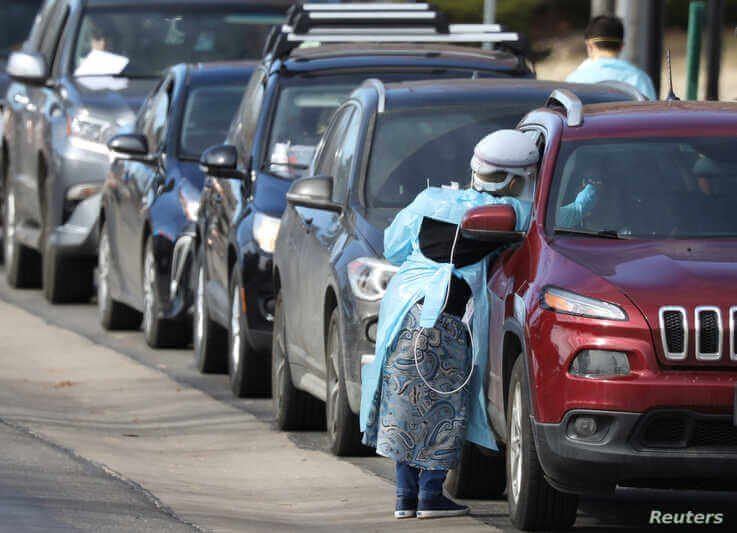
<point>671,95</point>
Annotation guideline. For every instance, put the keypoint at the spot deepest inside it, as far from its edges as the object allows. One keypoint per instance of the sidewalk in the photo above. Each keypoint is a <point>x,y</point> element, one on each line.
<point>212,465</point>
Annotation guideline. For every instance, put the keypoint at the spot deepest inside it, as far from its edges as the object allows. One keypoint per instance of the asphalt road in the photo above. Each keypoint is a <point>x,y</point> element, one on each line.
<point>99,432</point>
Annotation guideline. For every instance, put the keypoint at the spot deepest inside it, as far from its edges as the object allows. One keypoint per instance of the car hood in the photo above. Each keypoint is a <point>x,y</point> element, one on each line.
<point>655,274</point>
<point>371,223</point>
<point>108,96</point>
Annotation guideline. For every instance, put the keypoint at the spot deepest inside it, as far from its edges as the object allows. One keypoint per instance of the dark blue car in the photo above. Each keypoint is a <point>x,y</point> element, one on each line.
<point>151,198</point>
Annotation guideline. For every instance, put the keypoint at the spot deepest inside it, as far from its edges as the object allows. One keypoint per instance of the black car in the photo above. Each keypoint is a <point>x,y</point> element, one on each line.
<point>285,110</point>
<point>383,146</point>
<point>151,198</point>
<point>82,74</point>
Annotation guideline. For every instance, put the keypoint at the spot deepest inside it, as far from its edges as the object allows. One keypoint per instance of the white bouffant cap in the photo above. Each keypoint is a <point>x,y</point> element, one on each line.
<point>504,150</point>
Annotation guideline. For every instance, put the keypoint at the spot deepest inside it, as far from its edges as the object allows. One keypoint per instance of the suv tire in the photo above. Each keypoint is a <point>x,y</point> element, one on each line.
<point>159,332</point>
<point>480,475</point>
<point>533,503</point>
<point>344,435</point>
<point>209,339</point>
<point>248,369</point>
<point>293,409</point>
<point>113,314</point>
<point>22,264</point>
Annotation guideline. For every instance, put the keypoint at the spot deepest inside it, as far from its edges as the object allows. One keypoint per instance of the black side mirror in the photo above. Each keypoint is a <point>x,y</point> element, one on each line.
<point>315,192</point>
<point>221,162</point>
<point>132,145</point>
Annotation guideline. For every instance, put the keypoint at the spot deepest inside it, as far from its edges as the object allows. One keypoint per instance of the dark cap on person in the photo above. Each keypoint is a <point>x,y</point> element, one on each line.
<point>605,32</point>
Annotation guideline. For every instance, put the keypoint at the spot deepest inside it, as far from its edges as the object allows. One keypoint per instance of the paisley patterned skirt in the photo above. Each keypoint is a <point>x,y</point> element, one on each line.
<point>416,425</point>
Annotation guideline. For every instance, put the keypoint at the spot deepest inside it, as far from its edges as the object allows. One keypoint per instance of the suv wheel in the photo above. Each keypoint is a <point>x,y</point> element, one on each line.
<point>22,264</point>
<point>344,436</point>
<point>113,314</point>
<point>293,408</point>
<point>209,339</point>
<point>159,332</point>
<point>533,503</point>
<point>480,475</point>
<point>247,368</point>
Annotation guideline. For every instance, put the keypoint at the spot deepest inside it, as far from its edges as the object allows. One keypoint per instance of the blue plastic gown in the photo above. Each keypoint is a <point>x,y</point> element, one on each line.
<point>419,277</point>
<point>613,69</point>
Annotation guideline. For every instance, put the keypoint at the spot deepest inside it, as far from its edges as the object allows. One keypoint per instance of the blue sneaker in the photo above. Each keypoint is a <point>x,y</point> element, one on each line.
<point>405,508</point>
<point>440,506</point>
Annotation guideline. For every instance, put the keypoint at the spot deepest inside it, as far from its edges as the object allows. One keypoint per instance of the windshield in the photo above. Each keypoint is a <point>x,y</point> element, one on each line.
<point>142,41</point>
<point>16,19</point>
<point>207,117</point>
<point>417,148</point>
<point>654,188</point>
<point>302,115</point>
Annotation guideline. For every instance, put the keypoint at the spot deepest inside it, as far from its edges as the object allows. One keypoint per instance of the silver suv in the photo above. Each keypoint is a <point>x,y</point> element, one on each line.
<point>81,76</point>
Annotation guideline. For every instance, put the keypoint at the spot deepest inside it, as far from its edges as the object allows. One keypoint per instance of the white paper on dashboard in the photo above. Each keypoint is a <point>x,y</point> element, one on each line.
<point>101,63</point>
<point>102,83</point>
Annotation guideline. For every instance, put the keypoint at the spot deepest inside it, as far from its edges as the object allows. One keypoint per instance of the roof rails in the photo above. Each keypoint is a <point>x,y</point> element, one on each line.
<point>570,104</point>
<point>380,91</point>
<point>314,24</point>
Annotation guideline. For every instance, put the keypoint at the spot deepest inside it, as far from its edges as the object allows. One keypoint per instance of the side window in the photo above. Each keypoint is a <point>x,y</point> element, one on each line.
<point>345,155</point>
<point>244,127</point>
<point>52,35</point>
<point>38,31</point>
<point>155,118</point>
<point>328,156</point>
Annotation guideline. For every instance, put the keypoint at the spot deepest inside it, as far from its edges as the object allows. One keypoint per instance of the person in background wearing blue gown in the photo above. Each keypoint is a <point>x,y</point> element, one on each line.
<point>604,39</point>
<point>422,395</point>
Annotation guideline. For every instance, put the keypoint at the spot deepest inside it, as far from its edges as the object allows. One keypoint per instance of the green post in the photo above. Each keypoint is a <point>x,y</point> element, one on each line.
<point>693,48</point>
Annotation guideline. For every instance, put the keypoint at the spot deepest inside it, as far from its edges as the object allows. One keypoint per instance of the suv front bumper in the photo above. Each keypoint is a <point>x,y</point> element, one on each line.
<point>664,448</point>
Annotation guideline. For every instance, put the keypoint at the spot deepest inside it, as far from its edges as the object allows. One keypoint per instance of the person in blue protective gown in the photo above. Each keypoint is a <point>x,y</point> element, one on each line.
<point>422,394</point>
<point>604,39</point>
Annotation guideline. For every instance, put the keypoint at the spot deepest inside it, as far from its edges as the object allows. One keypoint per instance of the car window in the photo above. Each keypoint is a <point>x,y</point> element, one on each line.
<point>328,155</point>
<point>244,127</point>
<point>155,119</point>
<point>346,155</point>
<point>142,40</point>
<point>16,19</point>
<point>431,146</point>
<point>302,115</point>
<point>207,115</point>
<point>40,23</point>
<point>647,187</point>
<point>50,39</point>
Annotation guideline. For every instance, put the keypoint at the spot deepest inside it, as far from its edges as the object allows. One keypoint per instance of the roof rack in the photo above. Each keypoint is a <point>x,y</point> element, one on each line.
<point>569,103</point>
<point>314,24</point>
<point>380,90</point>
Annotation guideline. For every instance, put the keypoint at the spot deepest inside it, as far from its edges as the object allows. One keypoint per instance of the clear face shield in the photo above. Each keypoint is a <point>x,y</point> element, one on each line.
<point>504,181</point>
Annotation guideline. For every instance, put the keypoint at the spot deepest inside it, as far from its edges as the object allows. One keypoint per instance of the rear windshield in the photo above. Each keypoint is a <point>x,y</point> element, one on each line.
<point>657,188</point>
<point>417,148</point>
<point>141,41</point>
<point>16,19</point>
<point>207,116</point>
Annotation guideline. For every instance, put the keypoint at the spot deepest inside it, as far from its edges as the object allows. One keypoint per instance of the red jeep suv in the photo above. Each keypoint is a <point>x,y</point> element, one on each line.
<point>613,338</point>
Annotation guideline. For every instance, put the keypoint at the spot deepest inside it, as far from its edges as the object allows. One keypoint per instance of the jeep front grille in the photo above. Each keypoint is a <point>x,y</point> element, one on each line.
<point>674,332</point>
<point>710,330</point>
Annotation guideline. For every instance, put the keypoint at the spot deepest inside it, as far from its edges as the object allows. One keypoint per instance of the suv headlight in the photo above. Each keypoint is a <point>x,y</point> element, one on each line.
<point>87,127</point>
<point>570,303</point>
<point>369,277</point>
<point>265,230</point>
<point>189,198</point>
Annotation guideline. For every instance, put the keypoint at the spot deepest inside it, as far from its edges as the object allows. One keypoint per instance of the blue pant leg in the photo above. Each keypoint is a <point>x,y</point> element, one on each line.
<point>431,483</point>
<point>407,480</point>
